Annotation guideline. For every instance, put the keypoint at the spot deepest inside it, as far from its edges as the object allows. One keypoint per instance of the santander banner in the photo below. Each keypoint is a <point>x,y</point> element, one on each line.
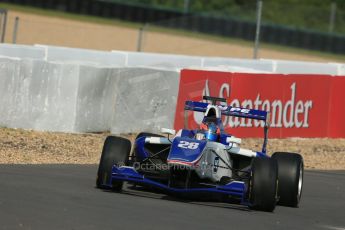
<point>300,105</point>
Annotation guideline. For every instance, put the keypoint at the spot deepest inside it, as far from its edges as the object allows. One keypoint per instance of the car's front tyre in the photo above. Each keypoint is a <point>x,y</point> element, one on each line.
<point>264,184</point>
<point>115,152</point>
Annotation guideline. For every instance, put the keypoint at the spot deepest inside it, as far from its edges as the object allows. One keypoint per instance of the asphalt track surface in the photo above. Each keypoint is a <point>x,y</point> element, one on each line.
<point>64,197</point>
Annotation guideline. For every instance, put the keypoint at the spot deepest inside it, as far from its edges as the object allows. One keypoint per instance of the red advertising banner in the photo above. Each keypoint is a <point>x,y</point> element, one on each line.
<point>337,108</point>
<point>300,105</point>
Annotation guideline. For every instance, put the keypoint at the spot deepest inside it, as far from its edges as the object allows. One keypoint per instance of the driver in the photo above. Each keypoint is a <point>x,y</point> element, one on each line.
<point>212,131</point>
<point>209,126</point>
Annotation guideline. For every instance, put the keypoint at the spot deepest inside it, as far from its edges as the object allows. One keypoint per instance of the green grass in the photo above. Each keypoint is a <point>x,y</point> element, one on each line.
<point>151,28</point>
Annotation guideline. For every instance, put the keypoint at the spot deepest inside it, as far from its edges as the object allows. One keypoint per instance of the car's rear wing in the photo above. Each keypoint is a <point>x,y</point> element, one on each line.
<point>228,110</point>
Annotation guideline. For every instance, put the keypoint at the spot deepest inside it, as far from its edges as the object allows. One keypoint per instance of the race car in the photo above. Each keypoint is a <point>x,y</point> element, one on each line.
<point>205,161</point>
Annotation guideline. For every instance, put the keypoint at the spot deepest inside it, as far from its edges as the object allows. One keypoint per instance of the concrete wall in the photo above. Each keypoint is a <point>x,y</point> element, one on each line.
<point>165,61</point>
<point>83,56</point>
<point>22,51</point>
<point>95,98</point>
<point>41,95</point>
<point>38,95</point>
<point>145,100</point>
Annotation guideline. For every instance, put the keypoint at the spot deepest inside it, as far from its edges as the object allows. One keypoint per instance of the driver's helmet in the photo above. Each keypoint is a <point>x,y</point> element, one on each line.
<point>211,131</point>
<point>209,124</point>
<point>211,134</point>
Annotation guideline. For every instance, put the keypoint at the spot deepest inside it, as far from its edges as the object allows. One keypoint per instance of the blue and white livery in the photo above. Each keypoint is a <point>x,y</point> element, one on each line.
<point>205,161</point>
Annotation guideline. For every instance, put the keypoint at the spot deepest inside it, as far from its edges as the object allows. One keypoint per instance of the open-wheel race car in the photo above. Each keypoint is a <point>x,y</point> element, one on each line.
<point>205,161</point>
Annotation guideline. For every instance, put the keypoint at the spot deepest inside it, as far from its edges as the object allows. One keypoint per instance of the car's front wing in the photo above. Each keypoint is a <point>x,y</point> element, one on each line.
<point>236,189</point>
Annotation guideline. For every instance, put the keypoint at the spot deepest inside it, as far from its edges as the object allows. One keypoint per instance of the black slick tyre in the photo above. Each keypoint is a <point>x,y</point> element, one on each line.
<point>290,175</point>
<point>115,152</point>
<point>263,184</point>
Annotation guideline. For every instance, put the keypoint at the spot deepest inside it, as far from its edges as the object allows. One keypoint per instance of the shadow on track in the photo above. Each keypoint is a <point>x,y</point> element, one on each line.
<point>209,201</point>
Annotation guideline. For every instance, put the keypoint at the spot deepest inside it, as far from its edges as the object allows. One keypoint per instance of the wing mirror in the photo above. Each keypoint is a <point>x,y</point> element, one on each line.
<point>168,131</point>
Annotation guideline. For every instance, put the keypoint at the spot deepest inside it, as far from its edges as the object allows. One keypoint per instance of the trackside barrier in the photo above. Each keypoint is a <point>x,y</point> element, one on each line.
<point>40,95</point>
<point>301,67</point>
<point>136,59</point>
<point>145,100</point>
<point>300,105</point>
<point>77,90</point>
<point>256,65</point>
<point>165,61</point>
<point>83,56</point>
<point>22,51</point>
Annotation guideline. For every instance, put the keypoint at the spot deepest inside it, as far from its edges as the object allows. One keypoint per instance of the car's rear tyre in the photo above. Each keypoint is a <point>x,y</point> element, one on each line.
<point>290,175</point>
<point>115,152</point>
<point>263,184</point>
